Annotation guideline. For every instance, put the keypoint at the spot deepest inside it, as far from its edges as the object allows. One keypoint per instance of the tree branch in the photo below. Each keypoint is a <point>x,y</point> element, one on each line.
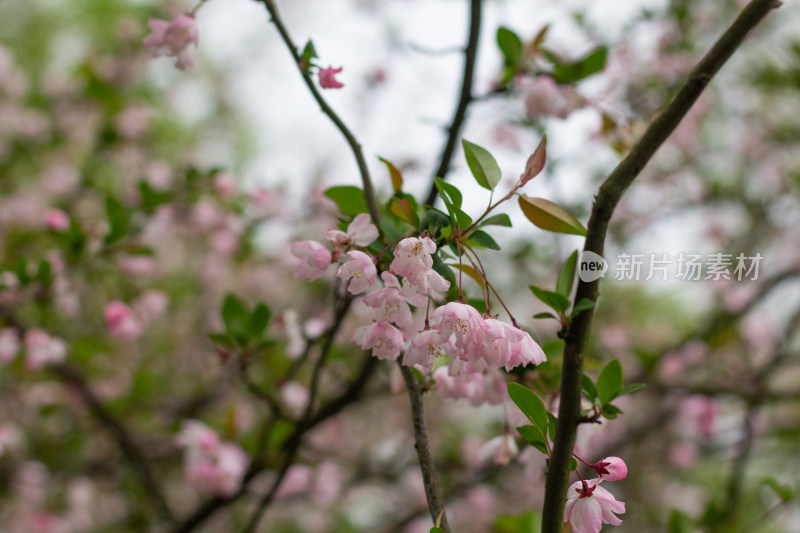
<point>130,450</point>
<point>433,492</point>
<point>355,147</point>
<point>465,98</point>
<point>607,198</point>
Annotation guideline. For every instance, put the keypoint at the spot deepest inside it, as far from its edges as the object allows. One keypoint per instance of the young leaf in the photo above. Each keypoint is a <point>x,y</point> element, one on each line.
<point>483,239</point>
<point>235,315</point>
<point>534,437</point>
<point>630,389</point>
<point>546,315</point>
<point>535,162</point>
<point>553,300</point>
<point>550,216</point>
<point>611,411</point>
<point>609,383</point>
<point>566,276</point>
<point>529,404</point>
<point>587,386</point>
<point>462,219</point>
<point>784,492</point>
<point>573,464</point>
<point>679,522</point>
<point>222,340</point>
<point>403,210</point>
<point>510,45</point>
<point>552,424</point>
<point>259,319</point>
<point>449,193</point>
<point>350,200</point>
<point>394,174</point>
<point>497,220</point>
<point>482,164</point>
<point>582,305</point>
<point>592,63</point>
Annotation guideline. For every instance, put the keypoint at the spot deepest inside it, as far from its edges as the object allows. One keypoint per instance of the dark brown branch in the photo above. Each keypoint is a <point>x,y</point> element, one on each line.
<point>355,147</point>
<point>465,98</point>
<point>134,456</point>
<point>607,198</point>
<point>433,492</point>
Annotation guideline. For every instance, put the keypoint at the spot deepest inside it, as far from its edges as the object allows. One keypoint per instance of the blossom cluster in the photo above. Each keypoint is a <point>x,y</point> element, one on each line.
<point>475,343</point>
<point>211,466</point>
<point>40,348</point>
<point>589,505</point>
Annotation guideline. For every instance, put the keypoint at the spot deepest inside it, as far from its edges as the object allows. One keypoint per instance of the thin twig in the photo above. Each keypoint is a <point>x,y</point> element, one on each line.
<point>465,98</point>
<point>355,147</point>
<point>607,198</point>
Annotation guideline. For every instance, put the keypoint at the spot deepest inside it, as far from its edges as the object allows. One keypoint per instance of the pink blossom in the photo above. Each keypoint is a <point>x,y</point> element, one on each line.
<point>177,38</point>
<point>121,321</point>
<point>525,352</point>
<point>294,397</point>
<point>211,466</point>
<point>386,341</point>
<point>463,320</point>
<point>56,220</point>
<point>232,465</point>
<point>314,260</point>
<point>327,79</point>
<point>42,350</point>
<point>225,185</point>
<point>151,305</point>
<point>425,347</point>
<point>9,345</point>
<point>412,258</point>
<point>501,450</point>
<point>136,265</point>
<point>496,340</point>
<point>389,306</point>
<point>360,232</point>
<point>611,469</point>
<point>297,481</point>
<point>360,271</point>
<point>409,291</point>
<point>197,437</point>
<point>589,506</point>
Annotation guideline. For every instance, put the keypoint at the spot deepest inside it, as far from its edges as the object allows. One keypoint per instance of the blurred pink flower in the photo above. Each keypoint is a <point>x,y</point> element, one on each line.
<point>9,345</point>
<point>590,505</point>
<point>121,321</point>
<point>42,350</point>
<point>177,38</point>
<point>327,78</point>
<point>314,260</point>
<point>56,220</point>
<point>501,450</point>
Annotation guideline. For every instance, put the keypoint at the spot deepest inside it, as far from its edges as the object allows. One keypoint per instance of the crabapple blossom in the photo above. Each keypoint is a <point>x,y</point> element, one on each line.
<point>360,232</point>
<point>195,436</point>
<point>524,352</point>
<point>56,220</point>
<point>389,306</point>
<point>360,271</point>
<point>176,38</point>
<point>611,469</point>
<point>409,291</point>
<point>589,506</point>
<point>314,260</point>
<point>463,320</point>
<point>496,340</point>
<point>412,258</point>
<point>425,347</point>
<point>9,345</point>
<point>327,79</point>
<point>211,466</point>
<point>121,321</point>
<point>385,340</point>
<point>41,349</point>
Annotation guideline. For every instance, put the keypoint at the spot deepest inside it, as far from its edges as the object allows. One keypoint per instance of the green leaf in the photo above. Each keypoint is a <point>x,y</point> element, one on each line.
<point>434,221</point>
<point>550,216</point>
<point>552,424</point>
<point>555,301</point>
<point>582,305</point>
<point>403,210</point>
<point>546,315</point>
<point>784,492</point>
<point>350,200</point>
<point>483,239</point>
<point>461,218</point>
<point>534,437</point>
<point>510,45</point>
<point>592,63</point>
<point>259,319</point>
<point>587,386</point>
<point>679,522</point>
<point>437,530</point>
<point>118,218</point>
<point>222,340</point>
<point>630,389</point>
<point>497,220</point>
<point>573,464</point>
<point>394,174</point>
<point>609,383</point>
<point>235,316</point>
<point>530,405</point>
<point>449,193</point>
<point>483,166</point>
<point>611,411</point>
<point>566,276</point>
<point>471,272</point>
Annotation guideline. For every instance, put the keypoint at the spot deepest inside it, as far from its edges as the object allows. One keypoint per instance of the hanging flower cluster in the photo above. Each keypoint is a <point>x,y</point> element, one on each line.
<point>589,505</point>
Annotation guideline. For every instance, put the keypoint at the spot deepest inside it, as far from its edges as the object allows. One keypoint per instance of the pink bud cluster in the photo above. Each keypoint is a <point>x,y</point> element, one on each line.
<point>40,348</point>
<point>589,505</point>
<point>177,38</point>
<point>211,466</point>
